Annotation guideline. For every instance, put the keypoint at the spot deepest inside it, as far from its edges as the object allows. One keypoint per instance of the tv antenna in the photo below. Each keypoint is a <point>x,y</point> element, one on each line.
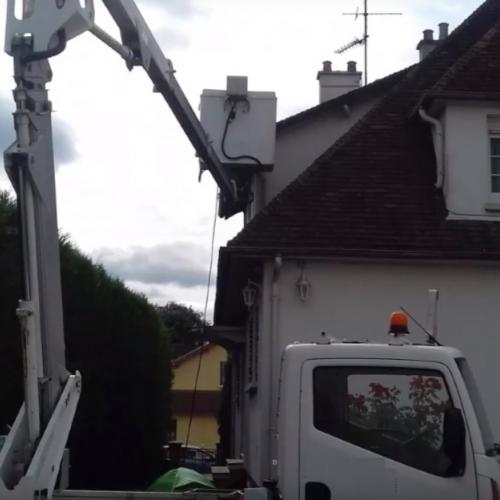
<point>364,39</point>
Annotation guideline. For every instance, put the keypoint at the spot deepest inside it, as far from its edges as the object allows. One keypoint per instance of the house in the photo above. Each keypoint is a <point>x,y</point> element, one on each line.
<point>198,416</point>
<point>377,195</point>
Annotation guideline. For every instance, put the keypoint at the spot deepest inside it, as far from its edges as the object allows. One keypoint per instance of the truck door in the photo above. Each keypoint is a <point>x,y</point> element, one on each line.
<point>371,432</point>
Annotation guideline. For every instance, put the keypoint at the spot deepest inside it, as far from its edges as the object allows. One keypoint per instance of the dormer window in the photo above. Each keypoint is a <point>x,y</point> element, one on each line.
<point>471,132</point>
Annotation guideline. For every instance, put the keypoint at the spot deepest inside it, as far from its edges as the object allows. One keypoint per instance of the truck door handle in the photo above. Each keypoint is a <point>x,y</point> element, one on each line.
<point>318,491</point>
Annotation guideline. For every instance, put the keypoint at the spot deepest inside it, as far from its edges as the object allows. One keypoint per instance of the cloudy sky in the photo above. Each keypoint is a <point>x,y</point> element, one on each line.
<point>127,178</point>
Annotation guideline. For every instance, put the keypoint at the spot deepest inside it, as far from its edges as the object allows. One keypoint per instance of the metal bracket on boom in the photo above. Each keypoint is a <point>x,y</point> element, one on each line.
<point>137,37</point>
<point>37,481</point>
<point>43,23</point>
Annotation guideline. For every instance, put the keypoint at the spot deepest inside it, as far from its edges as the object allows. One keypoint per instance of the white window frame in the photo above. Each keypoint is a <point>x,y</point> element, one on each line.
<point>493,135</point>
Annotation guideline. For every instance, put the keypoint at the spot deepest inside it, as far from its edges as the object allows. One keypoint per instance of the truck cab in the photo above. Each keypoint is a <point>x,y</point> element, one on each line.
<point>382,421</point>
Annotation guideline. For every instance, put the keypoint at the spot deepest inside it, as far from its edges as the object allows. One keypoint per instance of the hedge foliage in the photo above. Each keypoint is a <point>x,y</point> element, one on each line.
<point>115,338</point>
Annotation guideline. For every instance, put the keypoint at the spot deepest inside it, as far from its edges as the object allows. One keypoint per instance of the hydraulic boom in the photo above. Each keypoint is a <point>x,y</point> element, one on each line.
<point>31,456</point>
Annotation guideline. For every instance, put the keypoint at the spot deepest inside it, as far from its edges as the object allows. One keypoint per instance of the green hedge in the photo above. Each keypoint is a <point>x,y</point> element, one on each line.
<point>115,338</point>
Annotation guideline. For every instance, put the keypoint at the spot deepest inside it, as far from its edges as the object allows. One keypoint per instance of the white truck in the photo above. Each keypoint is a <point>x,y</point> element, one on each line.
<point>394,421</point>
<point>356,420</point>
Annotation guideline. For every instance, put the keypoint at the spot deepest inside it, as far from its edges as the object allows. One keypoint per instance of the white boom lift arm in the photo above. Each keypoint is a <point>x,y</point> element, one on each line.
<point>31,456</point>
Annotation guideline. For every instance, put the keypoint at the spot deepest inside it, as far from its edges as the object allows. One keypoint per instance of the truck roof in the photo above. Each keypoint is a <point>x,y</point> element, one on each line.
<point>367,350</point>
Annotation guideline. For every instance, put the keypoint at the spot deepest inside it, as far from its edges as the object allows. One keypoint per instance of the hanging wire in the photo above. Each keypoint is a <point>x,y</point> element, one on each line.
<point>205,309</point>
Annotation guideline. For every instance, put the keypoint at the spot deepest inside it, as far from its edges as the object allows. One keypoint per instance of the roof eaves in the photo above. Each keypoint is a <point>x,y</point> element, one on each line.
<point>267,252</point>
<point>429,98</point>
<point>188,355</point>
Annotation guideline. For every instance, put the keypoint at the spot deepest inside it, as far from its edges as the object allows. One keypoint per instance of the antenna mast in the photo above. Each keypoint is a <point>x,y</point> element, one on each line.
<point>364,40</point>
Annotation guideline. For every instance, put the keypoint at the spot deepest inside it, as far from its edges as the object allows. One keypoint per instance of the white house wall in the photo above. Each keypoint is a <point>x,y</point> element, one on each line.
<point>354,301</point>
<point>467,160</point>
<point>297,146</point>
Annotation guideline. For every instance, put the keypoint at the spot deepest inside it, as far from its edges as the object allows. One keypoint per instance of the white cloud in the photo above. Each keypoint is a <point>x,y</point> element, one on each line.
<point>175,8</point>
<point>170,38</point>
<point>182,264</point>
<point>162,294</point>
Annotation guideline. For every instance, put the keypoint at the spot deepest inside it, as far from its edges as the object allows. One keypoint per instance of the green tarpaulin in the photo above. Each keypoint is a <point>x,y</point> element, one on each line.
<point>181,479</point>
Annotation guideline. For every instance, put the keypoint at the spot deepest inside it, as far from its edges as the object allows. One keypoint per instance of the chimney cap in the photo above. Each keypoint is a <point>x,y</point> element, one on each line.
<point>327,66</point>
<point>428,35</point>
<point>352,67</point>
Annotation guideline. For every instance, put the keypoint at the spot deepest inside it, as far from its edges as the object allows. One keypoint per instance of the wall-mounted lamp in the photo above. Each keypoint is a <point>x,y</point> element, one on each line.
<point>303,285</point>
<point>250,293</point>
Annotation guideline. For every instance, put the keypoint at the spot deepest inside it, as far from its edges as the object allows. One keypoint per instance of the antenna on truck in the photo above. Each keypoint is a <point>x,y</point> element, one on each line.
<point>431,339</point>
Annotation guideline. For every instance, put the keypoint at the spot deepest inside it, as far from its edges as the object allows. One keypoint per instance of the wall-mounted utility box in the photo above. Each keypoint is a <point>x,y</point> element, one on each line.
<point>241,125</point>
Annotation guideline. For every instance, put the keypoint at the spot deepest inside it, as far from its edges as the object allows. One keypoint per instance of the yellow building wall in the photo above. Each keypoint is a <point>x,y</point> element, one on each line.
<point>204,428</point>
<point>185,373</point>
<point>204,431</point>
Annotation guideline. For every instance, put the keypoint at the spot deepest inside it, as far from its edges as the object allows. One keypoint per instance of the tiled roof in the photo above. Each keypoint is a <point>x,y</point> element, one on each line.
<point>372,193</point>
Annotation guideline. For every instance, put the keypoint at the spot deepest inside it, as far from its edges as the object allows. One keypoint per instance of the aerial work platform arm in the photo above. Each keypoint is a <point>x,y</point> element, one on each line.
<point>31,456</point>
<point>51,29</point>
<point>140,48</point>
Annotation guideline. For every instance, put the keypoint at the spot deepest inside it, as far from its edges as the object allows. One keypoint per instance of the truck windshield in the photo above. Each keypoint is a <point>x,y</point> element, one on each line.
<point>396,413</point>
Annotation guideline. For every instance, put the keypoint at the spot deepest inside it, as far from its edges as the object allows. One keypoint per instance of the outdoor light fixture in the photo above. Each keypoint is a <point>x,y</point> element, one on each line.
<point>303,285</point>
<point>250,293</point>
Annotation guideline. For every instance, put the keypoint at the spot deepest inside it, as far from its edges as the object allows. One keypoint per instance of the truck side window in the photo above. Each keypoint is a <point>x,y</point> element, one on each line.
<point>396,413</point>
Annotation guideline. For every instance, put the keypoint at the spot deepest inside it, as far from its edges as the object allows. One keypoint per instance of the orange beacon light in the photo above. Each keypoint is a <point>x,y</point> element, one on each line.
<point>398,324</point>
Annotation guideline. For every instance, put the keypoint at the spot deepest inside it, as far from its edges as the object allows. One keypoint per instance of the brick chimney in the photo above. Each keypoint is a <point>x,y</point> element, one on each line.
<point>428,43</point>
<point>333,84</point>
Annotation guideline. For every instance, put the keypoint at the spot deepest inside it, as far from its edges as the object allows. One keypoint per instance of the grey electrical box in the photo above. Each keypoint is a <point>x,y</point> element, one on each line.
<point>241,125</point>
<point>237,86</point>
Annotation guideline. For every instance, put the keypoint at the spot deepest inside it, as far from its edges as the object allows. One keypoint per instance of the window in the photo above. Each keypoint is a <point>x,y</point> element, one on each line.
<point>495,163</point>
<point>494,134</point>
<point>396,413</point>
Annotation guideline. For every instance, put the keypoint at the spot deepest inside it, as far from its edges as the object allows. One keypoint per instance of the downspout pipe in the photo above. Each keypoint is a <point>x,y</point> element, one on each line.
<point>439,145</point>
<point>275,305</point>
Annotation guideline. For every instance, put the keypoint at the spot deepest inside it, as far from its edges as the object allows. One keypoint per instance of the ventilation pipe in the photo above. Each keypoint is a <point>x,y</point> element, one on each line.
<point>443,31</point>
<point>429,43</point>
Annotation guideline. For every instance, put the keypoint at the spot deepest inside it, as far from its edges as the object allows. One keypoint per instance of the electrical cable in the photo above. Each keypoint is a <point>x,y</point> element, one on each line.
<point>230,117</point>
<point>207,297</point>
